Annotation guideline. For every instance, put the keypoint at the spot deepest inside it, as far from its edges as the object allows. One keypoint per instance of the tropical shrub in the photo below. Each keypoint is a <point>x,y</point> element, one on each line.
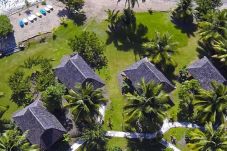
<point>94,138</point>
<point>88,46</point>
<point>52,97</point>
<point>5,26</point>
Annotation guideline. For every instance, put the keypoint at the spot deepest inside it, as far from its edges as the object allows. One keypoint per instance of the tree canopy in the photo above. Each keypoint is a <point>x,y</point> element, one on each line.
<point>146,107</point>
<point>5,26</point>
<point>13,140</point>
<point>52,97</point>
<point>85,102</point>
<point>90,48</point>
<point>208,140</point>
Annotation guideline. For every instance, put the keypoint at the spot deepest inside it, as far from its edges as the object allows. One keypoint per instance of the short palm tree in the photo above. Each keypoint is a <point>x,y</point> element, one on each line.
<point>211,105</point>
<point>208,140</point>
<point>214,26</point>
<point>147,106</point>
<point>160,50</point>
<point>94,138</point>
<point>220,47</point>
<point>85,102</point>
<point>12,140</point>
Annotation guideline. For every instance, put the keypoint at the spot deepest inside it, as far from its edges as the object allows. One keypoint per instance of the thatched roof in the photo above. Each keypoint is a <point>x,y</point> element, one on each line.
<point>74,70</point>
<point>43,128</point>
<point>146,70</point>
<point>205,72</point>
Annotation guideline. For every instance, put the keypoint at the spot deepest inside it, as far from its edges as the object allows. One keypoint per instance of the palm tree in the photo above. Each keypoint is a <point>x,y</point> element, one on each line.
<point>12,140</point>
<point>160,50</point>
<point>208,140</point>
<point>4,124</point>
<point>220,47</point>
<point>211,105</point>
<point>184,11</point>
<point>94,138</point>
<point>214,26</point>
<point>131,3</point>
<point>85,102</point>
<point>147,106</point>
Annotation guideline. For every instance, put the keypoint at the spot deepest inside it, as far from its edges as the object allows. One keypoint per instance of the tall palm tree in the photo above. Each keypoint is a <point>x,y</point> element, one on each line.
<point>147,106</point>
<point>220,47</point>
<point>85,103</point>
<point>214,26</point>
<point>211,105</point>
<point>208,140</point>
<point>160,50</point>
<point>12,140</point>
<point>131,3</point>
<point>183,11</point>
<point>94,138</point>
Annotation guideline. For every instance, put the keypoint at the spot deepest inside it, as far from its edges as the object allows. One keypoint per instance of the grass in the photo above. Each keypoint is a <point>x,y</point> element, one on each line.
<point>117,62</point>
<point>179,134</point>
<point>134,144</point>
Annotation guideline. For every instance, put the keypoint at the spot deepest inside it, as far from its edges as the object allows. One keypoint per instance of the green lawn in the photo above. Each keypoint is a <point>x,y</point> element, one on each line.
<point>134,144</point>
<point>179,134</point>
<point>117,61</point>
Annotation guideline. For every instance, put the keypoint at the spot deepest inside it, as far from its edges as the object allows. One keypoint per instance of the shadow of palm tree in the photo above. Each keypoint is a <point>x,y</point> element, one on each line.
<point>144,145</point>
<point>187,28</point>
<point>125,34</point>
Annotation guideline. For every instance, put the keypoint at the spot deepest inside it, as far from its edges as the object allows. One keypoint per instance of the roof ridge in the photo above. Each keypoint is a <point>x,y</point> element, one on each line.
<point>77,68</point>
<point>36,116</point>
<point>152,70</point>
<point>217,71</point>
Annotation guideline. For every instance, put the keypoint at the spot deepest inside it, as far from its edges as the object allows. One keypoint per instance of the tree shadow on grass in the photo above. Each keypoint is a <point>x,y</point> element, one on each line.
<point>187,28</point>
<point>126,35</point>
<point>144,145</point>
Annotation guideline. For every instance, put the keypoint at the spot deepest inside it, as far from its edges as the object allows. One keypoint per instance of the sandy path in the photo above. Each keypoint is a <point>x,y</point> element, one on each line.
<point>95,8</point>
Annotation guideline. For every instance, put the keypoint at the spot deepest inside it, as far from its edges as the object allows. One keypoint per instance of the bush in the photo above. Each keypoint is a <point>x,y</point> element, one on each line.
<point>43,3</point>
<point>52,97</point>
<point>169,149</point>
<point>5,26</point>
<point>88,46</point>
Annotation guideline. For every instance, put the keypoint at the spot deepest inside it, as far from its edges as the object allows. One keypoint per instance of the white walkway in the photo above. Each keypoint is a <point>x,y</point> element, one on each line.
<point>165,127</point>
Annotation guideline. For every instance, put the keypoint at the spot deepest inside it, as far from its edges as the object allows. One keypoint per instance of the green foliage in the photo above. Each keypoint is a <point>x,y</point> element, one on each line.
<point>52,97</point>
<point>146,108</point>
<point>183,12</point>
<point>90,48</point>
<point>169,149</point>
<point>20,86</point>
<point>85,102</point>
<point>5,26</point>
<point>220,48</point>
<point>184,75</point>
<point>160,50</point>
<point>209,140</point>
<point>211,105</point>
<point>204,7</point>
<point>13,140</point>
<point>186,95</point>
<point>74,5</point>
<point>94,138</point>
<point>34,61</point>
<point>45,77</point>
